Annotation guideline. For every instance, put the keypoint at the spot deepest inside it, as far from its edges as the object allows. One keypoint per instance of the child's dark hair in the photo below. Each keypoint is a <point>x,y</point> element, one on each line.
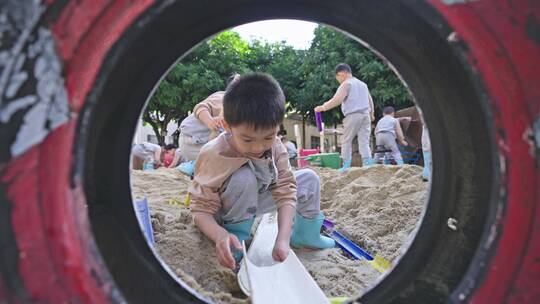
<point>255,99</point>
<point>231,79</point>
<point>343,67</point>
<point>388,110</point>
<point>170,147</point>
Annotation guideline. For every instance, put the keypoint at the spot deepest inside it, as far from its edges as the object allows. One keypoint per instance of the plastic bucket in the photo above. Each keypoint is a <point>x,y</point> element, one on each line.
<point>328,160</point>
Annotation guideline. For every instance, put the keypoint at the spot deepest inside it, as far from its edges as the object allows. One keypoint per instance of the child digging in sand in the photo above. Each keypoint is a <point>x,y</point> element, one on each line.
<point>245,172</point>
<point>200,127</point>
<point>386,132</point>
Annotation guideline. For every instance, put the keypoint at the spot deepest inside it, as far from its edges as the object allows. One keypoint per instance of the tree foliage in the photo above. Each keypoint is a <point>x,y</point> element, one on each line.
<point>331,47</point>
<point>306,76</point>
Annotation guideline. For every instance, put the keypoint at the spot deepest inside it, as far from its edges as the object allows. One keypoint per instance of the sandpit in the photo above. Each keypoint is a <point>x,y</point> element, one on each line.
<point>376,207</point>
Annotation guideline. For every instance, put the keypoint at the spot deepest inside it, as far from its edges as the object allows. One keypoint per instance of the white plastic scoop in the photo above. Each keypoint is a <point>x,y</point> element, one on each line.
<point>267,281</point>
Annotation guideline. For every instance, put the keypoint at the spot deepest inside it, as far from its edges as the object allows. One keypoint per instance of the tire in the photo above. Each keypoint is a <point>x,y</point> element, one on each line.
<point>75,76</point>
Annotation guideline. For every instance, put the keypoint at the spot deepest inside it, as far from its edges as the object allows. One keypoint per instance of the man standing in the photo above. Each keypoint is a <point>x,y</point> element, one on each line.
<point>357,106</point>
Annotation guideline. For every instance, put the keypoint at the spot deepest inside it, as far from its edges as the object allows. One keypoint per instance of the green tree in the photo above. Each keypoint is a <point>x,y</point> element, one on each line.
<point>199,74</point>
<point>306,76</point>
<point>330,47</point>
<point>281,61</point>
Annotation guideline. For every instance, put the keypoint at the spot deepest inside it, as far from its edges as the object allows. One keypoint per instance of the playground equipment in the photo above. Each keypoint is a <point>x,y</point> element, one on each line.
<point>320,128</point>
<point>303,153</point>
<point>317,157</point>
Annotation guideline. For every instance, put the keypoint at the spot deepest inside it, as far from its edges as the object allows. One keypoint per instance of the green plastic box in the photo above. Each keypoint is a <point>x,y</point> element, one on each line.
<point>328,160</point>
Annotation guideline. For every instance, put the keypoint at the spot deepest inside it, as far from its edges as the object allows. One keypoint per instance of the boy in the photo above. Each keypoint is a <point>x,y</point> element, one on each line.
<point>385,135</point>
<point>197,129</point>
<point>245,172</point>
<point>143,151</point>
<point>291,148</point>
<point>172,157</point>
<point>357,106</point>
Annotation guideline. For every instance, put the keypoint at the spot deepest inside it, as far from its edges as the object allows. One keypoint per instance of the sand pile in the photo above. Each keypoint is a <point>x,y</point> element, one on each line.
<point>376,207</point>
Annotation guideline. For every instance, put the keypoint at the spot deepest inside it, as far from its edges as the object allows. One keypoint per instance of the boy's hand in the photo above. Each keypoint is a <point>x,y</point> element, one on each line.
<point>223,250</point>
<point>403,143</point>
<point>319,109</point>
<point>215,123</point>
<point>281,250</point>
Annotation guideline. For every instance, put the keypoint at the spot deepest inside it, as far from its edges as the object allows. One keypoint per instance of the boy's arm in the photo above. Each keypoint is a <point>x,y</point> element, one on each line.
<point>336,100</point>
<point>176,160</point>
<point>213,105</point>
<point>223,239</point>
<point>157,156</point>
<point>284,193</point>
<point>284,189</point>
<point>213,123</point>
<point>371,108</point>
<point>208,226</point>
<point>285,221</point>
<point>399,134</point>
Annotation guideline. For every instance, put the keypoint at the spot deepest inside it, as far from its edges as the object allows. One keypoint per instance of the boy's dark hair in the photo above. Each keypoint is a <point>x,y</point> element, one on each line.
<point>388,110</point>
<point>230,79</point>
<point>343,67</point>
<point>255,99</point>
<point>170,147</point>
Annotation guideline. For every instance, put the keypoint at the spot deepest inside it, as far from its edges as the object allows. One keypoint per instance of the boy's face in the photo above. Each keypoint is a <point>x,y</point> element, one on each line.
<point>341,76</point>
<point>250,142</point>
<point>170,151</point>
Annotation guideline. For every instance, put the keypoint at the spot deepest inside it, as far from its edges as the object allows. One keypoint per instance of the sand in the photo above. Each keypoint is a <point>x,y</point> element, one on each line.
<point>376,207</point>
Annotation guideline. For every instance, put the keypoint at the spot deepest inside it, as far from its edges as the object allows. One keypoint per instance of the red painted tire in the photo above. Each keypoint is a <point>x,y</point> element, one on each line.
<point>74,76</point>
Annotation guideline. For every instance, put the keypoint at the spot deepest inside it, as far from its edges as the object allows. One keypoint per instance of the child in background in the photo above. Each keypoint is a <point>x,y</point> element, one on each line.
<point>201,126</point>
<point>388,128</point>
<point>176,160</point>
<point>291,148</point>
<point>149,152</point>
<point>246,172</point>
<point>169,157</point>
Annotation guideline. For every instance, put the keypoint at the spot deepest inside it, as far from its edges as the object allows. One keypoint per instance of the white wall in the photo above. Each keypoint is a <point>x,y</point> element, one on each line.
<point>311,131</point>
<point>146,133</point>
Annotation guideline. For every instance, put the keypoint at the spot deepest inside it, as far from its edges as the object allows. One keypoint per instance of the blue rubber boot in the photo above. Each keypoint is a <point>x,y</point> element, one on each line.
<point>242,231</point>
<point>387,161</point>
<point>346,165</point>
<point>366,162</point>
<point>307,233</point>
<point>399,162</point>
<point>187,167</point>
<point>427,165</point>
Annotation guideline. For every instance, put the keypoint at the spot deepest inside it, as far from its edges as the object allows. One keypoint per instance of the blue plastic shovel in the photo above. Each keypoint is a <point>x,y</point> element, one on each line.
<point>355,251</point>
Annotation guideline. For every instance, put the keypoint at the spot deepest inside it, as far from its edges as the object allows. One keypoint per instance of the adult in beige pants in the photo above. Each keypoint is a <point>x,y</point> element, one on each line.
<point>357,106</point>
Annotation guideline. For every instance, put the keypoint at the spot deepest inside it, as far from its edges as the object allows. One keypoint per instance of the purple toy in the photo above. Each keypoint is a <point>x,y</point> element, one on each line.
<point>318,120</point>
